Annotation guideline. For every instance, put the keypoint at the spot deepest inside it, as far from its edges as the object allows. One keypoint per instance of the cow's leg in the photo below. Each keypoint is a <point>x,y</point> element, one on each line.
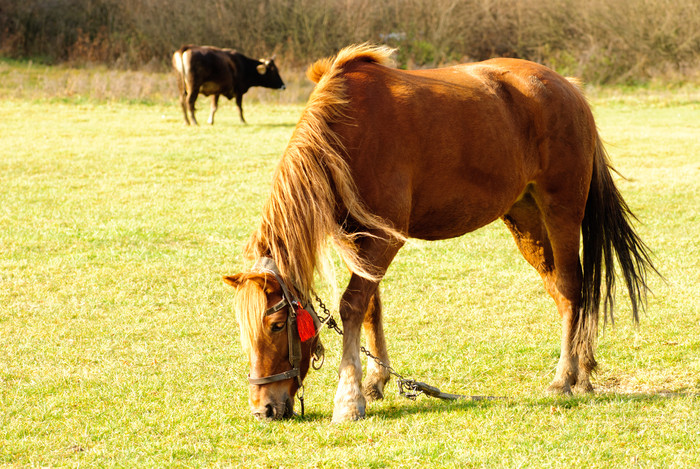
<point>182,92</point>
<point>239,103</point>
<point>349,400</point>
<point>191,99</point>
<point>214,107</point>
<point>377,375</point>
<point>554,254</point>
<point>183,102</point>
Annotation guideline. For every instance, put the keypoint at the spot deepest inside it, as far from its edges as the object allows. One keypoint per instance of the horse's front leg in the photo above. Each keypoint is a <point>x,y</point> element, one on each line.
<point>360,304</point>
<point>377,375</point>
<point>349,401</point>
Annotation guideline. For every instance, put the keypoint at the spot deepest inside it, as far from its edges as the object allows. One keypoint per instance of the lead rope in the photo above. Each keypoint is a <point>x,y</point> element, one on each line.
<point>300,396</point>
<point>408,387</point>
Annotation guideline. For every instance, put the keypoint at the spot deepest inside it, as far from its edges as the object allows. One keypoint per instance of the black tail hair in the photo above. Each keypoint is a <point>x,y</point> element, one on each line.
<point>608,234</point>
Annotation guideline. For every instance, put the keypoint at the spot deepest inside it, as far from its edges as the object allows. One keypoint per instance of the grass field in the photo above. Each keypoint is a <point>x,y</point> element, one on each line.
<point>118,346</point>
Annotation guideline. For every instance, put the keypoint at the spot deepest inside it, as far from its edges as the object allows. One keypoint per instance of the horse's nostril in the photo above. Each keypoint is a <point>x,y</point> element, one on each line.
<point>269,411</point>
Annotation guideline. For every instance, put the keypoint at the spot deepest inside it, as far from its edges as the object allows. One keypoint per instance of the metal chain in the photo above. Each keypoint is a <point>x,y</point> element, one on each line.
<point>408,387</point>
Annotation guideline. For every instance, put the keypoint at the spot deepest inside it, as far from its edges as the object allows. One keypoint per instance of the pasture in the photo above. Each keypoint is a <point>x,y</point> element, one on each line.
<point>118,344</point>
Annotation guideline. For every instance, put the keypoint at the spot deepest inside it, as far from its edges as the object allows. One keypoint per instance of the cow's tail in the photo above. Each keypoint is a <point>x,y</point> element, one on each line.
<point>180,65</point>
<point>607,234</point>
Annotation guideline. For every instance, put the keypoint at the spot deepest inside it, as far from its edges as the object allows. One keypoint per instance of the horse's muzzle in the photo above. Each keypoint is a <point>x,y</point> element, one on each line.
<point>275,410</point>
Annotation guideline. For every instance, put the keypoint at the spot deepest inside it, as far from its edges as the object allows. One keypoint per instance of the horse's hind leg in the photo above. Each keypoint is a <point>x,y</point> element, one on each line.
<point>377,375</point>
<point>554,254</point>
<point>563,216</point>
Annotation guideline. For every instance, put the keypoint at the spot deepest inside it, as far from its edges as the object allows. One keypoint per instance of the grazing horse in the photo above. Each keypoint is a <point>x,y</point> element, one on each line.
<point>381,155</point>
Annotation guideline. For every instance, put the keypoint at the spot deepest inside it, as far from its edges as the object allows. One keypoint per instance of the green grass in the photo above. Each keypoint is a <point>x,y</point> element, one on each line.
<point>118,345</point>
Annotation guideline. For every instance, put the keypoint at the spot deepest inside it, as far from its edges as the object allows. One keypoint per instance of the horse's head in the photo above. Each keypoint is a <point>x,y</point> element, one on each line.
<point>279,356</point>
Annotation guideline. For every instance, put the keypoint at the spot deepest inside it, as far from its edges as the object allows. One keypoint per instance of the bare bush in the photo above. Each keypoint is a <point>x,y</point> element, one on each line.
<point>600,40</point>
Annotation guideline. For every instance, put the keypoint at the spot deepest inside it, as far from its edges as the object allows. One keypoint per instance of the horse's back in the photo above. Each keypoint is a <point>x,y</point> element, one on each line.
<point>456,146</point>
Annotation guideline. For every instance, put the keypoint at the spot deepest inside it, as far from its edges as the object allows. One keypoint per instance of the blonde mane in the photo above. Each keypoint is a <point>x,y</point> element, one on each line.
<point>250,303</point>
<point>311,179</point>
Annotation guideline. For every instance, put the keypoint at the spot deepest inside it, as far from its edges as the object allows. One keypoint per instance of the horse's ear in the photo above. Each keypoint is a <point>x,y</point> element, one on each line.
<point>266,281</point>
<point>233,280</point>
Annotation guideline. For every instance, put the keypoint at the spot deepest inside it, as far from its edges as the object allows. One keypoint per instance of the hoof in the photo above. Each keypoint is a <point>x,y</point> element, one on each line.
<point>373,391</point>
<point>348,415</point>
<point>347,410</point>
<point>584,388</point>
<point>372,394</point>
<point>558,388</point>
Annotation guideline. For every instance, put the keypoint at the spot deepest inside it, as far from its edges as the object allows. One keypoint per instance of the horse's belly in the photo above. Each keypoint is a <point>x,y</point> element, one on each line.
<point>449,222</point>
<point>440,214</point>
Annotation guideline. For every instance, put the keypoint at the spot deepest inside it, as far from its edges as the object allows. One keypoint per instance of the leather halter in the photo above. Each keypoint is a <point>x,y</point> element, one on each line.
<point>290,301</point>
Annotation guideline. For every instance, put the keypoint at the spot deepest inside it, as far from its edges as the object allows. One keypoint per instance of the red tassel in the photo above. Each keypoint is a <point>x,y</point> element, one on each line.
<point>305,324</point>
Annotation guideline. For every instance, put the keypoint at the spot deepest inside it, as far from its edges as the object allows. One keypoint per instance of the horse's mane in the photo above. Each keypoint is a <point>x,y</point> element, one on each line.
<point>250,304</point>
<point>310,181</point>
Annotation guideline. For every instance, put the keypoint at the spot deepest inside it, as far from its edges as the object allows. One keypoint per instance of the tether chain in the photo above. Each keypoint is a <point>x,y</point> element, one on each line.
<point>408,387</point>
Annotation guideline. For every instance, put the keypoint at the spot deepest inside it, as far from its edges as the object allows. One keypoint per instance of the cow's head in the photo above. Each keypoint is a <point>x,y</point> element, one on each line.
<point>269,74</point>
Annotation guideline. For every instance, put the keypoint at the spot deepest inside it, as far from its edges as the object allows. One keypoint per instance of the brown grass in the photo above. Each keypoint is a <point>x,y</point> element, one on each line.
<point>29,80</point>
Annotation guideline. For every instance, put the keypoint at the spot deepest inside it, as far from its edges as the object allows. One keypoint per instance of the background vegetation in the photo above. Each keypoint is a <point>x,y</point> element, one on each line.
<point>602,41</point>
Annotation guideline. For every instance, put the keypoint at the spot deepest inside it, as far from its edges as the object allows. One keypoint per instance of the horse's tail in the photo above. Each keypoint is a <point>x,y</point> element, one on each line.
<point>607,233</point>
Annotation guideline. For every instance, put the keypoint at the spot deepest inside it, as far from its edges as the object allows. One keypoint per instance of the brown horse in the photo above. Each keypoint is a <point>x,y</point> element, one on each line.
<point>380,155</point>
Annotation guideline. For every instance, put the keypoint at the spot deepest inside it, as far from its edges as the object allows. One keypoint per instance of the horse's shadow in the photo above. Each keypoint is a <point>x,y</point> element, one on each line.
<point>396,409</point>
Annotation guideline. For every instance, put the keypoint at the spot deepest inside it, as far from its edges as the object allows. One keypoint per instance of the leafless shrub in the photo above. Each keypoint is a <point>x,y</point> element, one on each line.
<point>600,40</point>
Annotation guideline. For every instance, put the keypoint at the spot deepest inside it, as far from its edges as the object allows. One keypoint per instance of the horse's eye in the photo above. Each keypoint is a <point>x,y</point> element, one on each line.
<point>278,326</point>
